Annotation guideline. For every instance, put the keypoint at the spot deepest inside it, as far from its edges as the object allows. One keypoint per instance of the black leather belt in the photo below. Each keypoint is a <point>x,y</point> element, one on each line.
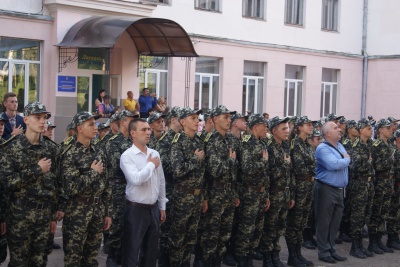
<point>87,200</point>
<point>141,205</point>
<point>221,185</point>
<point>257,188</point>
<point>31,204</point>
<point>334,187</point>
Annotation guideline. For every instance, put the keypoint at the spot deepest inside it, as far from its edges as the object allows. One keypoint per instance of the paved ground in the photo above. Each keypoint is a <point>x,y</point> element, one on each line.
<point>386,260</point>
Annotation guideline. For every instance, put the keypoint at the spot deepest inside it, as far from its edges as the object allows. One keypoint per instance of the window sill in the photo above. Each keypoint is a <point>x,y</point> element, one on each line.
<point>294,25</point>
<point>154,2</point>
<point>328,30</point>
<point>208,10</point>
<point>254,18</point>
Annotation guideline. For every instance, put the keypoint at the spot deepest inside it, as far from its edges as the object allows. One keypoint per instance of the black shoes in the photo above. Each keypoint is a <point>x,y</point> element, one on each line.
<point>336,257</point>
<point>308,244</point>
<point>355,250</point>
<point>327,259</point>
<point>345,237</point>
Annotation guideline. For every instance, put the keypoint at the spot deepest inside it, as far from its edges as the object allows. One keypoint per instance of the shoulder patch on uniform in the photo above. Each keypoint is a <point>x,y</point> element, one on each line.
<point>176,137</point>
<point>246,138</point>
<point>96,141</point>
<point>292,144</point>
<point>377,142</point>
<point>199,134</point>
<point>345,141</point>
<point>162,137</point>
<point>356,142</point>
<point>66,149</point>
<point>113,137</point>
<point>269,142</point>
<point>208,136</point>
<point>69,139</point>
<point>9,140</point>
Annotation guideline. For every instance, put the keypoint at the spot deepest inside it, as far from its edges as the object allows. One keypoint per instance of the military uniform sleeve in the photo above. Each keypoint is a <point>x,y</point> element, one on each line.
<point>180,166</point>
<point>381,159</point>
<point>251,165</point>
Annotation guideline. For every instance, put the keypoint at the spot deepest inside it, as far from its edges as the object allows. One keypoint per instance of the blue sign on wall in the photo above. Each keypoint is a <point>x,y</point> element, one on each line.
<point>67,84</point>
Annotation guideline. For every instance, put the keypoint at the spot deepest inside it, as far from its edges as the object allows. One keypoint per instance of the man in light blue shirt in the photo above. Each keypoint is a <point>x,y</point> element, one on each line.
<point>331,179</point>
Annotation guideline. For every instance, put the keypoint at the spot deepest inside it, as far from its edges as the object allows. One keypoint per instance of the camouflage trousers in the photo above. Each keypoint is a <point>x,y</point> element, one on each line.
<point>297,216</point>
<point>27,233</point>
<point>345,222</point>
<point>393,221</point>
<point>116,230</point>
<point>217,223</point>
<point>82,233</point>
<point>163,254</point>
<point>250,222</point>
<point>380,206</point>
<point>275,221</point>
<point>362,196</point>
<point>185,215</point>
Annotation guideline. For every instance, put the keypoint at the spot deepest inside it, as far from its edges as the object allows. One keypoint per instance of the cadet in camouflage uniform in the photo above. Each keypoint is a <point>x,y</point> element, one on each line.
<point>208,126</point>
<point>393,121</point>
<point>164,148</point>
<point>88,209</point>
<point>254,198</point>
<point>342,124</point>
<point>156,122</point>
<point>3,199</point>
<point>281,191</point>
<point>222,189</point>
<point>31,185</point>
<point>303,169</point>
<point>382,159</point>
<point>70,136</point>
<point>393,222</point>
<point>361,187</point>
<point>350,135</point>
<point>114,148</point>
<point>188,166</point>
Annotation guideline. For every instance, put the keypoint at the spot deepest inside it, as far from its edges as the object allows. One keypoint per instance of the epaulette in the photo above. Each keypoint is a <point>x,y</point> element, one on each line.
<point>113,137</point>
<point>9,140</point>
<point>161,138</point>
<point>292,144</point>
<point>69,139</point>
<point>208,137</point>
<point>356,142</point>
<point>176,137</point>
<point>246,138</point>
<point>269,142</point>
<point>199,134</point>
<point>345,141</point>
<point>377,142</point>
<point>66,149</point>
<point>96,141</point>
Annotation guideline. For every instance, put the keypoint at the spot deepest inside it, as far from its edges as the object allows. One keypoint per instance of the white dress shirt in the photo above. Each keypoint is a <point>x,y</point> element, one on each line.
<point>145,182</point>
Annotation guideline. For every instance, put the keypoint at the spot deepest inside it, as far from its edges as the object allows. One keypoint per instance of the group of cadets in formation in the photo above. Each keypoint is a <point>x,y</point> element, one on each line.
<point>234,188</point>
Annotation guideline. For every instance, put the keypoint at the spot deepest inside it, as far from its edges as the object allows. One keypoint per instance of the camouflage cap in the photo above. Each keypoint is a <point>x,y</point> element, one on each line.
<point>70,126</point>
<point>256,119</point>
<point>114,117</point>
<point>236,116</point>
<point>276,121</point>
<point>318,123</point>
<point>50,125</point>
<point>315,133</point>
<point>396,134</point>
<point>173,112</point>
<point>392,119</point>
<point>332,117</point>
<point>351,124</point>
<point>102,126</point>
<point>364,122</point>
<point>293,119</point>
<point>36,108</point>
<point>155,116</point>
<point>127,113</point>
<point>302,120</point>
<point>342,120</point>
<point>3,118</point>
<point>83,116</point>
<point>206,115</point>
<point>184,112</point>
<point>219,110</point>
<point>382,123</point>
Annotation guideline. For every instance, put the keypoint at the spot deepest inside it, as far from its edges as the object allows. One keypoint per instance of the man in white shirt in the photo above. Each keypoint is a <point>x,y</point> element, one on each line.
<point>145,194</point>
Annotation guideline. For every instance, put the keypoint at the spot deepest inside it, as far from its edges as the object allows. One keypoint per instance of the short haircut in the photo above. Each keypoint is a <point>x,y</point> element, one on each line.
<point>325,128</point>
<point>8,95</point>
<point>144,89</point>
<point>133,124</point>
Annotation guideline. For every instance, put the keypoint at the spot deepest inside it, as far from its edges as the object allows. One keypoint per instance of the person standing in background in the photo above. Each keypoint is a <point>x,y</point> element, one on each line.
<point>14,124</point>
<point>100,99</point>
<point>130,104</point>
<point>146,102</point>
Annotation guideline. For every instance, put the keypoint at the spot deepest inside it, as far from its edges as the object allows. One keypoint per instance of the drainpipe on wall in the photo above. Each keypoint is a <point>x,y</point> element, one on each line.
<point>365,60</point>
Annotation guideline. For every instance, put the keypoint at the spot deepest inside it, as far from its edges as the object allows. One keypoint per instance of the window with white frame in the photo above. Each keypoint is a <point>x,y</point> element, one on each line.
<point>157,1</point>
<point>209,5</point>
<point>154,75</point>
<point>293,90</point>
<point>253,9</point>
<point>330,15</point>
<point>206,88</point>
<point>294,12</point>
<point>253,85</point>
<point>329,89</point>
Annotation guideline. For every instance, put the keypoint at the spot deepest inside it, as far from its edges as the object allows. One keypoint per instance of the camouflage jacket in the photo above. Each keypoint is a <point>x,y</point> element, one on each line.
<point>382,157</point>
<point>3,197</point>
<point>113,150</point>
<point>361,161</point>
<point>348,144</point>
<point>219,166</point>
<point>79,179</point>
<point>101,143</point>
<point>23,177</point>
<point>188,170</point>
<point>153,142</point>
<point>164,148</point>
<point>397,171</point>
<point>253,167</point>
<point>303,158</point>
<point>279,168</point>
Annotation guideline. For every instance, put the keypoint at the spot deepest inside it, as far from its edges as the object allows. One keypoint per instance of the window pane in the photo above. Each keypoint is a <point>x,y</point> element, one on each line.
<point>152,82</point>
<point>334,98</point>
<point>253,68</point>
<point>12,48</point>
<point>215,91</point>
<point>207,65</point>
<point>244,96</point>
<point>294,12</point>
<point>251,95</point>
<point>34,82</point>
<point>327,100</point>
<point>83,94</point>
<point>329,75</point>
<point>210,5</point>
<point>322,106</point>
<point>18,84</point>
<point>294,72</point>
<point>196,92</point>
<point>260,95</point>
<point>163,91</point>
<point>205,83</point>
<point>299,98</point>
<point>3,79</point>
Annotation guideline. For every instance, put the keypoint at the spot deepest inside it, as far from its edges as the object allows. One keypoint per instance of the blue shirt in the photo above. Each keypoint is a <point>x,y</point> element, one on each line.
<point>147,102</point>
<point>331,167</point>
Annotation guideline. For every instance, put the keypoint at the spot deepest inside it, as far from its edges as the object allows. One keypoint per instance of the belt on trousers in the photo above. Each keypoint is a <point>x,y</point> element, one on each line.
<point>364,178</point>
<point>222,185</point>
<point>334,187</point>
<point>305,178</point>
<point>184,189</point>
<point>257,188</point>
<point>31,204</point>
<point>141,205</point>
<point>87,200</point>
<point>383,175</point>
